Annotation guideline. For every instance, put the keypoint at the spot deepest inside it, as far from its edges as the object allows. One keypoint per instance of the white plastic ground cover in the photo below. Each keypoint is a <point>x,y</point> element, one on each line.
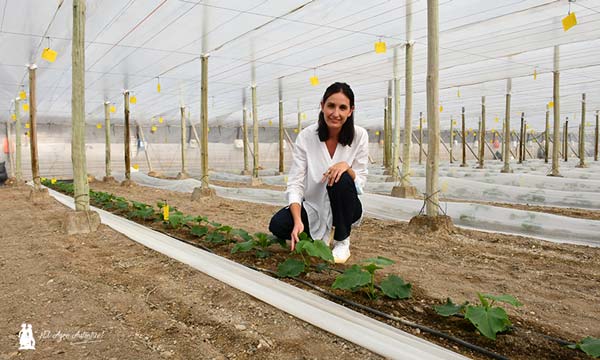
<point>555,228</point>
<point>334,318</point>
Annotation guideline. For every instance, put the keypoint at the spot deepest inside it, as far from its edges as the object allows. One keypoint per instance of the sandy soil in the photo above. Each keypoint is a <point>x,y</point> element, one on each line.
<point>559,284</point>
<point>133,302</point>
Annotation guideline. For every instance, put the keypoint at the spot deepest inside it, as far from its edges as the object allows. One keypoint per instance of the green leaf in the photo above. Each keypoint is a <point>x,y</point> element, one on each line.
<point>484,302</point>
<point>371,268</point>
<point>263,254</point>
<point>352,278</point>
<point>589,345</point>
<point>394,287</point>
<point>290,268</point>
<point>225,228</point>
<point>449,308</point>
<point>215,237</point>
<point>505,298</point>
<point>379,261</point>
<point>242,234</point>
<point>199,231</point>
<point>489,321</point>
<point>262,239</point>
<point>300,245</point>
<point>243,246</point>
<point>320,267</point>
<point>318,249</point>
<point>215,224</point>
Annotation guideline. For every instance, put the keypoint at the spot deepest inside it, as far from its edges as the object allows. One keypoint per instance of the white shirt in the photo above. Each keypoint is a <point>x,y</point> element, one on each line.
<point>310,160</point>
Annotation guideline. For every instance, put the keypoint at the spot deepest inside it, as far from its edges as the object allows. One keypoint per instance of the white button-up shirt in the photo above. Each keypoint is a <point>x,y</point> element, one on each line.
<point>310,160</point>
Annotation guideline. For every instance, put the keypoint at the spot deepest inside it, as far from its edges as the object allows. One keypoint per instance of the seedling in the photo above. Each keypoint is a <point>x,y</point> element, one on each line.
<point>307,248</point>
<point>259,243</point>
<point>487,318</point>
<point>141,211</point>
<point>362,277</point>
<point>589,345</point>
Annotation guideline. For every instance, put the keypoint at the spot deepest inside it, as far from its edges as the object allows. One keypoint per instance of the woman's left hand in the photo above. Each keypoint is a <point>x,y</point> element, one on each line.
<point>335,172</point>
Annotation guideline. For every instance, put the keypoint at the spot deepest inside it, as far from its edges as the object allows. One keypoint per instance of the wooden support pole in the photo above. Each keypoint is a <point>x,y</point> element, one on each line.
<point>107,167</point>
<point>254,133</point>
<point>521,139</point>
<point>126,138</point>
<point>19,170</point>
<point>469,148</point>
<point>547,136</point>
<point>9,153</point>
<point>396,146</point>
<point>408,103</point>
<point>143,138</point>
<point>566,140</point>
<point>35,167</point>
<point>507,135</point>
<point>421,150</point>
<point>433,115</point>
<point>246,170</point>
<point>451,140</point>
<point>388,133</point>
<point>464,140</point>
<point>582,134</point>
<point>204,124</point>
<point>482,134</point>
<point>596,137</point>
<point>183,172</point>
<point>80,180</point>
<point>420,137</point>
<point>281,169</point>
<point>556,100</point>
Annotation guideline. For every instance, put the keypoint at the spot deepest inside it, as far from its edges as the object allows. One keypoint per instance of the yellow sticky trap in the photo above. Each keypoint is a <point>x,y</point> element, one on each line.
<point>49,55</point>
<point>314,80</point>
<point>588,124</point>
<point>569,21</point>
<point>113,109</point>
<point>296,130</point>
<point>285,179</point>
<point>98,126</point>
<point>496,120</point>
<point>470,129</point>
<point>160,120</point>
<point>380,47</point>
<point>133,100</point>
<point>454,133</point>
<point>42,179</point>
<point>22,94</point>
<point>444,187</point>
<point>534,74</point>
<point>13,116</point>
<point>25,107</point>
<point>551,104</point>
<point>53,181</point>
<point>136,166</point>
<point>26,133</point>
<point>377,133</point>
<point>474,133</point>
<point>165,211</point>
<point>441,108</point>
<point>458,93</point>
<point>270,122</point>
<point>527,126</point>
<point>153,128</point>
<point>208,130</point>
<point>26,125</point>
<point>303,116</point>
<point>158,87</point>
<point>453,122</point>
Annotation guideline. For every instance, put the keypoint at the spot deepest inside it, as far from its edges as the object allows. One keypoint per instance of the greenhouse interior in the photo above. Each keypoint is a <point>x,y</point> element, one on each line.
<point>300,179</point>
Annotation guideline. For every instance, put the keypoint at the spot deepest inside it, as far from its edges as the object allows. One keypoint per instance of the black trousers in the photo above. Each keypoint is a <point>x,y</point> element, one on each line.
<point>345,208</point>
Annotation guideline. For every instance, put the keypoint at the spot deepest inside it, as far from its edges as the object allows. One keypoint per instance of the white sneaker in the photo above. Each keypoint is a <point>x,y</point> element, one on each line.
<point>341,251</point>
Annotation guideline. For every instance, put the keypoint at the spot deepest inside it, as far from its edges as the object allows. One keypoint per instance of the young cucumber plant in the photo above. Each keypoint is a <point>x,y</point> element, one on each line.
<point>362,277</point>
<point>487,318</point>
<point>259,243</point>
<point>588,345</point>
<point>308,249</point>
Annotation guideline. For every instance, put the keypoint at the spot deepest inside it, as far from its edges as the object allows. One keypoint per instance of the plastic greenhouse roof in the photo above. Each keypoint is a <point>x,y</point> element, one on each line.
<point>134,44</point>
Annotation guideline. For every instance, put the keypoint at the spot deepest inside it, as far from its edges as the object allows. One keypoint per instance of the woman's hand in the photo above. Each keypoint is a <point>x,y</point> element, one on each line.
<point>298,228</point>
<point>335,172</point>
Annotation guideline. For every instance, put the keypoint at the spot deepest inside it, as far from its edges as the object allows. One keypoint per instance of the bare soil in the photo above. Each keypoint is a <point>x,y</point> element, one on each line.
<point>559,284</point>
<point>103,296</point>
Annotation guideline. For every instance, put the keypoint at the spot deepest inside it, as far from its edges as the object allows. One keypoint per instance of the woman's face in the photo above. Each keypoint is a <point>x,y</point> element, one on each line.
<point>336,110</point>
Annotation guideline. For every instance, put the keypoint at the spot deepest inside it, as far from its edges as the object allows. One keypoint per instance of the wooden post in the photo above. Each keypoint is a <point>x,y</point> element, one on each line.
<point>396,146</point>
<point>507,134</point>
<point>566,140</point>
<point>433,115</point>
<point>408,100</point>
<point>596,138</point>
<point>482,134</point>
<point>143,138</point>
<point>281,170</point>
<point>246,170</point>
<point>126,138</point>
<point>35,168</point>
<point>388,134</point>
<point>204,179</point>
<point>451,140</point>
<point>420,138</point>
<point>183,174</point>
<point>80,180</point>
<point>107,139</point>
<point>556,100</point>
<point>464,140</point>
<point>521,139</point>
<point>582,135</point>
<point>547,136</point>
<point>386,161</point>
<point>8,154</point>
<point>19,170</point>
<point>254,133</point>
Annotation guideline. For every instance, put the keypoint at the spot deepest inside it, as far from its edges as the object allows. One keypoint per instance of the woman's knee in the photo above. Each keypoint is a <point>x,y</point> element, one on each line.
<point>280,224</point>
<point>345,182</point>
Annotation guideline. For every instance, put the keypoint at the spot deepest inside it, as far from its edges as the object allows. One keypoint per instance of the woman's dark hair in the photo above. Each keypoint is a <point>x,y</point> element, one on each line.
<point>347,132</point>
